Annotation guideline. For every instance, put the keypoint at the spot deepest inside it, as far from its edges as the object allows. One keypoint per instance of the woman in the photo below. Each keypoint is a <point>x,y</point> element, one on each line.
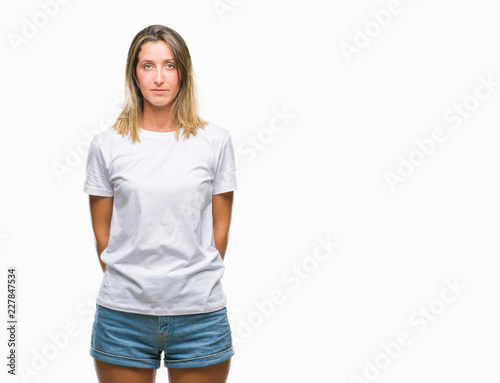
<point>160,205</point>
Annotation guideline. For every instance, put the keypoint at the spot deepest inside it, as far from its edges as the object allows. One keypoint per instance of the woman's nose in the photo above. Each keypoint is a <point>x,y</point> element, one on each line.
<point>159,77</point>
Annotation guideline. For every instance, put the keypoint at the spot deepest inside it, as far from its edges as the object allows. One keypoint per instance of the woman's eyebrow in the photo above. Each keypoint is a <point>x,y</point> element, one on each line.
<point>147,60</point>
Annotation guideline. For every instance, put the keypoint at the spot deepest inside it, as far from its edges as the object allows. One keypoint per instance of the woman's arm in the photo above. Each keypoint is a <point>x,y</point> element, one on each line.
<point>101,209</point>
<point>222,205</point>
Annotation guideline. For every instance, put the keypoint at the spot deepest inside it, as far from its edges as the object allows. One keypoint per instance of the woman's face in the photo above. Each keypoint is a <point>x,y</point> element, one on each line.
<point>157,74</point>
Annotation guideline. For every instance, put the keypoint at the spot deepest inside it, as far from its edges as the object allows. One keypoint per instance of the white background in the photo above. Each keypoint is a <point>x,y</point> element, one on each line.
<point>321,177</point>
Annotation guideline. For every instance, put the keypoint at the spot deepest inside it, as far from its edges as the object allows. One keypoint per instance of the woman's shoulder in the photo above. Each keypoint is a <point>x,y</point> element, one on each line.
<point>214,132</point>
<point>109,137</point>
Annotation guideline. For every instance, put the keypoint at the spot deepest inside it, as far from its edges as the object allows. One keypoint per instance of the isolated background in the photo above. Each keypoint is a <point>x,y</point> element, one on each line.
<point>322,177</point>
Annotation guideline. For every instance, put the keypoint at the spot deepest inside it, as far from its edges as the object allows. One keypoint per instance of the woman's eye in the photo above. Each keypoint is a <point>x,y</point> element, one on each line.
<point>149,66</point>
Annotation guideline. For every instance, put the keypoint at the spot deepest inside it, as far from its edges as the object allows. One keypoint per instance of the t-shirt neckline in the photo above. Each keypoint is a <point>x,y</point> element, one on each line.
<point>159,135</point>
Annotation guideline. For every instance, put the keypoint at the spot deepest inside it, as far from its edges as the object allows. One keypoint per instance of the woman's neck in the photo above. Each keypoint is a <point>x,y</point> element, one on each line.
<point>158,119</point>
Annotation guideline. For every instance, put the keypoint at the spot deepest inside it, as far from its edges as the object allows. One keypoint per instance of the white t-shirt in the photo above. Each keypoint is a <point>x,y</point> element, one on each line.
<point>161,258</point>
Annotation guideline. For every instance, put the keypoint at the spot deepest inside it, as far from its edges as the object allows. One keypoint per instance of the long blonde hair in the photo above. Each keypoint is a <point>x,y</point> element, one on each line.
<point>185,107</point>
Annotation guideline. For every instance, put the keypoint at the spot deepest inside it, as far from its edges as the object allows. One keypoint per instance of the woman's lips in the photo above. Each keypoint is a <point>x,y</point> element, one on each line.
<point>159,91</point>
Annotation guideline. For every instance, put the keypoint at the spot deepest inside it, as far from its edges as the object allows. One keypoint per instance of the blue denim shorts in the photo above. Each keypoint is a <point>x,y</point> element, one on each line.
<point>139,340</point>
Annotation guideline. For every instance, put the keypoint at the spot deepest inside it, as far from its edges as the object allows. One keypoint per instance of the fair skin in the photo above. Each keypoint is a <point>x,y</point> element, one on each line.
<point>156,70</point>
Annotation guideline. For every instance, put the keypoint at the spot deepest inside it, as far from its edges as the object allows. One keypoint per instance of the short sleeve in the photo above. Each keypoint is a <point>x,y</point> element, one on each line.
<point>97,180</point>
<point>225,174</point>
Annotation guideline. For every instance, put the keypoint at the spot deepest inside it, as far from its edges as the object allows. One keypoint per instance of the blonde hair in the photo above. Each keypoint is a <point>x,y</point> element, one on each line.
<point>185,106</point>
